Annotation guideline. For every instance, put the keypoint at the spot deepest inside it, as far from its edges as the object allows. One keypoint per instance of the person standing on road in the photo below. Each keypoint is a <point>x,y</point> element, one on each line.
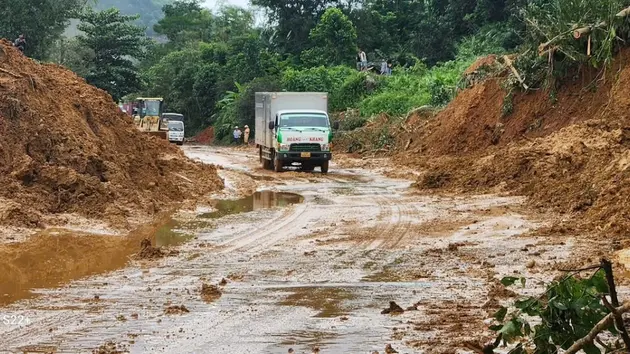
<point>20,43</point>
<point>246,135</point>
<point>237,135</point>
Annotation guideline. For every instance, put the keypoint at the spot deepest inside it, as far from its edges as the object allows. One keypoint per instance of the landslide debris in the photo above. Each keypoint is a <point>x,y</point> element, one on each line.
<point>176,310</point>
<point>568,153</point>
<point>393,309</point>
<point>110,348</point>
<point>65,147</point>
<point>210,293</point>
<point>148,252</point>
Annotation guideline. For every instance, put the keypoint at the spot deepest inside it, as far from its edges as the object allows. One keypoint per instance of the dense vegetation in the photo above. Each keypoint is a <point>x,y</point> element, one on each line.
<point>211,63</point>
<point>215,62</point>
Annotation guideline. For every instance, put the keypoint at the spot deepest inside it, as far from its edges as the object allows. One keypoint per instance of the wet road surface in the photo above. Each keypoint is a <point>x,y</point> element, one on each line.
<point>308,260</point>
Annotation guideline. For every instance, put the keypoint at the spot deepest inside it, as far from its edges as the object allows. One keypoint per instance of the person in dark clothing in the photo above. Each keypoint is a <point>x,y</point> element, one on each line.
<point>20,43</point>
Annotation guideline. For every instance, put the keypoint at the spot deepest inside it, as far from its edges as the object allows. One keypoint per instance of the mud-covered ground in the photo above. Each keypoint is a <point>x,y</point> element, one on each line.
<point>291,260</point>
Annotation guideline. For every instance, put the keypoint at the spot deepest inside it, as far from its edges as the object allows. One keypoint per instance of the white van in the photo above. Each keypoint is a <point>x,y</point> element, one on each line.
<point>176,132</point>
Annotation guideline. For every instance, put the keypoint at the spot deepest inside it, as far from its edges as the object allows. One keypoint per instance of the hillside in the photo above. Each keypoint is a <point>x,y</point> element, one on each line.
<point>150,11</point>
<point>569,154</point>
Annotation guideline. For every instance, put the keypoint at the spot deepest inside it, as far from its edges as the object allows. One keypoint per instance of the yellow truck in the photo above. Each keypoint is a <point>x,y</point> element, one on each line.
<point>147,115</point>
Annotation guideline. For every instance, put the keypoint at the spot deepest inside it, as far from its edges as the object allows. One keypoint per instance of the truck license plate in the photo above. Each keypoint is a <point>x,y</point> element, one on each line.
<point>305,154</point>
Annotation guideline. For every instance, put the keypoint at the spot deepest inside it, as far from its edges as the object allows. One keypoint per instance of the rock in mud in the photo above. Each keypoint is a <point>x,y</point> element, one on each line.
<point>110,348</point>
<point>412,308</point>
<point>392,309</point>
<point>149,252</point>
<point>389,349</point>
<point>210,293</point>
<point>223,282</point>
<point>176,310</point>
<point>531,264</point>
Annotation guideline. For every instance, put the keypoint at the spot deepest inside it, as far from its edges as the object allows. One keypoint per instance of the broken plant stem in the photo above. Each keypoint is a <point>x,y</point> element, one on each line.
<point>612,289</point>
<point>599,327</point>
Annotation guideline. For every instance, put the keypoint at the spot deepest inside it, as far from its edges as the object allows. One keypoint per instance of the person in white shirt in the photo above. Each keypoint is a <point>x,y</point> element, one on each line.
<point>363,59</point>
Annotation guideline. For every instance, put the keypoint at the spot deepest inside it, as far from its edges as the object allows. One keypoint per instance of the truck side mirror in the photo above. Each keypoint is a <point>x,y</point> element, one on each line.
<point>272,125</point>
<point>336,125</point>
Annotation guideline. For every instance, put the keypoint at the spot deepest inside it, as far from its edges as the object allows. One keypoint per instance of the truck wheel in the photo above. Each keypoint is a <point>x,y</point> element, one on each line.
<point>325,167</point>
<point>277,165</point>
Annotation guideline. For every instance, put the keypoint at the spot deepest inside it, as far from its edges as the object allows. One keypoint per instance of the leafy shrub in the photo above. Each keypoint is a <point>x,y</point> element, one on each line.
<point>393,103</point>
<point>355,88</point>
<point>319,79</point>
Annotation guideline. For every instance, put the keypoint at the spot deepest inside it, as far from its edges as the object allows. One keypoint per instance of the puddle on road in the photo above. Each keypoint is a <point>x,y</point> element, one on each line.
<point>170,234</point>
<point>57,256</point>
<point>308,338</point>
<point>328,301</point>
<point>256,201</point>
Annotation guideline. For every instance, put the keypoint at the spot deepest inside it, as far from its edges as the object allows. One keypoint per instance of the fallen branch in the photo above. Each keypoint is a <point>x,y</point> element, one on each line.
<point>599,327</point>
<point>579,32</point>
<point>508,62</point>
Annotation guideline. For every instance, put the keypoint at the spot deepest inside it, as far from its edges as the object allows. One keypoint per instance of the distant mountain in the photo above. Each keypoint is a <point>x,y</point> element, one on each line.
<point>150,11</point>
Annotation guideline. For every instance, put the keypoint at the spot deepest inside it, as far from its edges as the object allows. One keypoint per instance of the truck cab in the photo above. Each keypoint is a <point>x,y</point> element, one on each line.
<point>303,136</point>
<point>293,128</point>
<point>176,132</point>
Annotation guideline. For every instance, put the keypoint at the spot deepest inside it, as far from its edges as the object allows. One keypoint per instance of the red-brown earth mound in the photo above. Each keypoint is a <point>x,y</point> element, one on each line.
<point>570,154</point>
<point>65,147</point>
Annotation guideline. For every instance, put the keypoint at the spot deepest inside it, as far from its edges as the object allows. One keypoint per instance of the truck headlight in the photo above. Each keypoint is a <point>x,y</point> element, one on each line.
<point>285,147</point>
<point>325,147</point>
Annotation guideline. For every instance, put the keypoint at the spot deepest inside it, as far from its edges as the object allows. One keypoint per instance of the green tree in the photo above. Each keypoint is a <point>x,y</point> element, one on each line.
<point>185,21</point>
<point>70,53</point>
<point>294,21</point>
<point>41,21</point>
<point>115,42</point>
<point>334,40</point>
<point>232,21</point>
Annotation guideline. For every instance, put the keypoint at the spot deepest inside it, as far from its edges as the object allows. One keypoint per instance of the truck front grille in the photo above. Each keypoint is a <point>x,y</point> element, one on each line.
<point>305,147</point>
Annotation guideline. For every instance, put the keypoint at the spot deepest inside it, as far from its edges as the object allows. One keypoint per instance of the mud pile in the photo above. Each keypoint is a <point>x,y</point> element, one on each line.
<point>567,151</point>
<point>205,137</point>
<point>65,147</point>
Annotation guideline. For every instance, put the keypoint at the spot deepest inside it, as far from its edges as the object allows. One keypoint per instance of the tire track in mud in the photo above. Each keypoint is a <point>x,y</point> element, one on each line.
<point>276,225</point>
<point>389,234</point>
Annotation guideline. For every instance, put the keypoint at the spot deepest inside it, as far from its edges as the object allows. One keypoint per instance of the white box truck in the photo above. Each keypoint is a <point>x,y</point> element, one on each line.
<point>293,127</point>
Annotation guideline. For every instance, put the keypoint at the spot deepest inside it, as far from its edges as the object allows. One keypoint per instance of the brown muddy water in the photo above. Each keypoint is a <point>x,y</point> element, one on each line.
<point>257,201</point>
<point>54,257</point>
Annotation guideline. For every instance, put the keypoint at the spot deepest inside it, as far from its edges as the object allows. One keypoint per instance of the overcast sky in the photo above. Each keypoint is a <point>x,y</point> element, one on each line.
<point>213,3</point>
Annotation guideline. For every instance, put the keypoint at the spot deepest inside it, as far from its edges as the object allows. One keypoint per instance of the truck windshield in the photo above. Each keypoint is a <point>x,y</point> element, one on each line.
<point>176,126</point>
<point>151,108</point>
<point>304,120</point>
<point>173,117</point>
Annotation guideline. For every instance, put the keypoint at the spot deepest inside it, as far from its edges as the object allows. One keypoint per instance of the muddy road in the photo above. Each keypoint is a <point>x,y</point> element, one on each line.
<point>291,260</point>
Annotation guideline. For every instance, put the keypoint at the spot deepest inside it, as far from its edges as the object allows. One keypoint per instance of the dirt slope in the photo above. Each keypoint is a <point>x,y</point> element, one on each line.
<point>65,147</point>
<point>570,155</point>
